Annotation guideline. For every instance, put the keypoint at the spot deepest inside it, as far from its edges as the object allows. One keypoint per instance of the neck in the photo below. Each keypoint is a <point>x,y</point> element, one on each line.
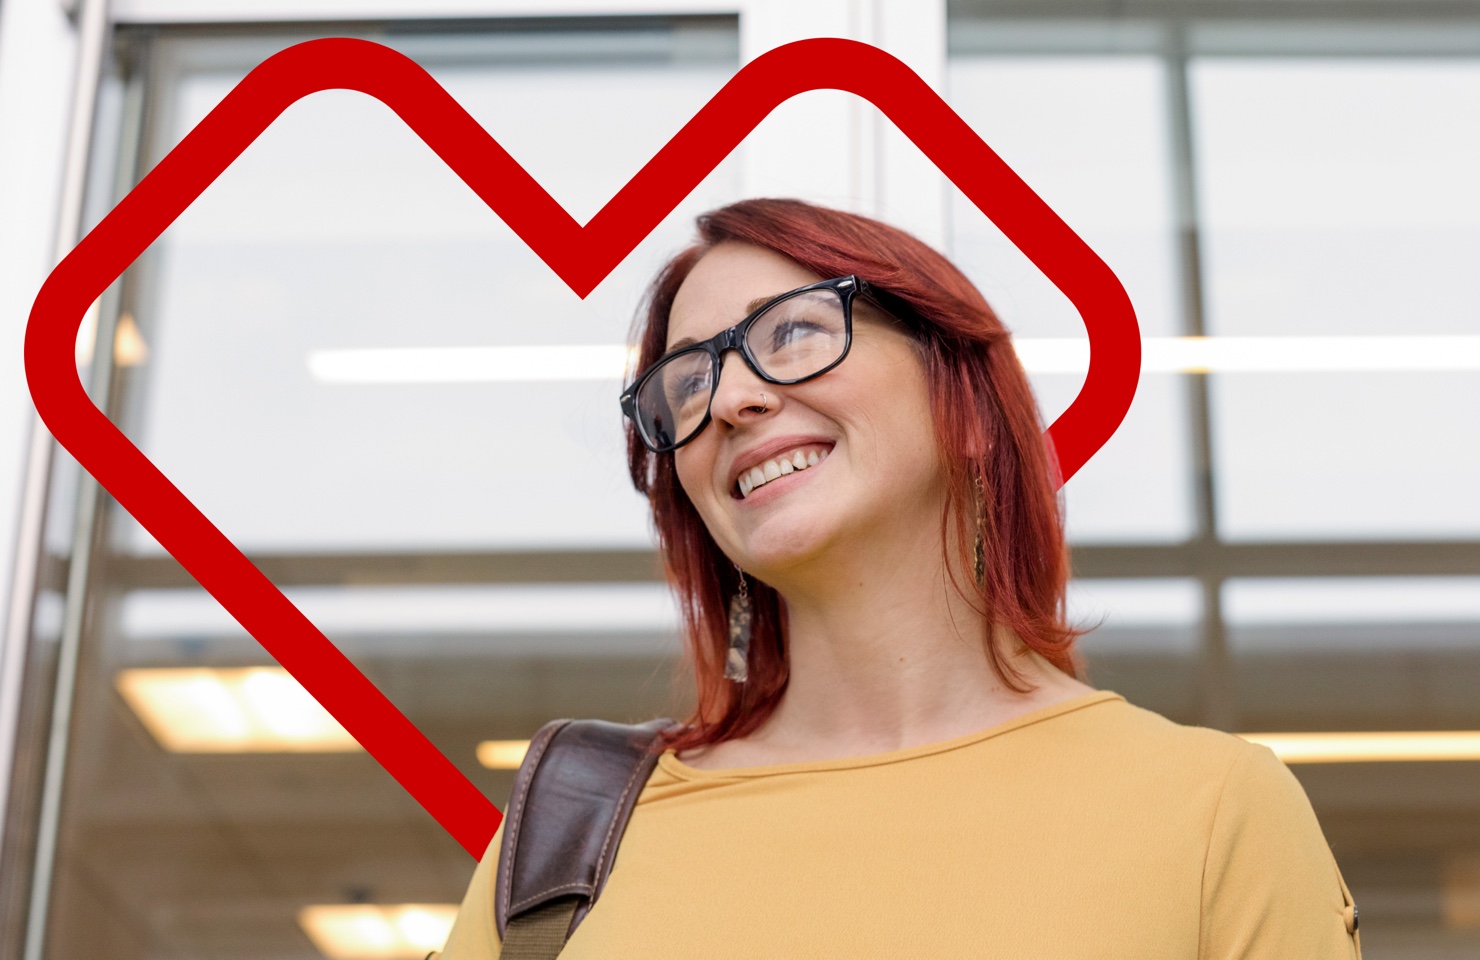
<point>885,654</point>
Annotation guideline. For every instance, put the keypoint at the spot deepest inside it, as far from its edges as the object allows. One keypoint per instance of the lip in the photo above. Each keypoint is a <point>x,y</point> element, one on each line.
<point>757,455</point>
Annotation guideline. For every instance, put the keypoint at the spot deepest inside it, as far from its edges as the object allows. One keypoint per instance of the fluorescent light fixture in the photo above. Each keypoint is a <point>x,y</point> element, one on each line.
<point>1370,747</point>
<point>353,611</point>
<point>1265,354</point>
<point>1137,616</point>
<point>502,754</point>
<point>470,364</point>
<point>238,710</point>
<point>1289,601</point>
<point>1039,355</point>
<point>362,931</point>
<point>1141,602</point>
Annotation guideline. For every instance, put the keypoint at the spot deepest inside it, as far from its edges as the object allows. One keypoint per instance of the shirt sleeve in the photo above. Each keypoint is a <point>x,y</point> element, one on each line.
<point>1271,887</point>
<point>474,934</point>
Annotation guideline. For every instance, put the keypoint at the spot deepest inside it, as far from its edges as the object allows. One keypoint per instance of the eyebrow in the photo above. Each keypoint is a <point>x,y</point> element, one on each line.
<point>750,308</point>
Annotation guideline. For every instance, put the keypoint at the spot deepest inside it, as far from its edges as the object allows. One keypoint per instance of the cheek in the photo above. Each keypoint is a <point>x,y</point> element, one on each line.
<point>684,467</point>
<point>900,426</point>
<point>917,425</point>
<point>694,471</point>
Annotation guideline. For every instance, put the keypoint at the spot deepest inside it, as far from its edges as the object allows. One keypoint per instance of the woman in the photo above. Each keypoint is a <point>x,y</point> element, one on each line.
<point>896,757</point>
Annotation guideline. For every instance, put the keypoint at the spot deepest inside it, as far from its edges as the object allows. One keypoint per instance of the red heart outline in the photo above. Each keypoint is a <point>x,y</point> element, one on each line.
<point>581,256</point>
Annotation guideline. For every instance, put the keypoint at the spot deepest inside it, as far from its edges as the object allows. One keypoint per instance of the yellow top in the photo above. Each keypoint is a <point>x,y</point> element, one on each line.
<point>1091,828</point>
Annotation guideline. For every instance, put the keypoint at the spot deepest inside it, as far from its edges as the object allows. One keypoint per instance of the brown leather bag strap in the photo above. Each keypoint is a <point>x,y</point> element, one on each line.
<point>571,800</point>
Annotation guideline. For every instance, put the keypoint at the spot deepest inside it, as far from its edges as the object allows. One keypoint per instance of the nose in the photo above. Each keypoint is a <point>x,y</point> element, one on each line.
<point>741,397</point>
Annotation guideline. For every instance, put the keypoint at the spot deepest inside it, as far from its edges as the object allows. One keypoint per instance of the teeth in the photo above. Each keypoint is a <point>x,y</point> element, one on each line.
<point>759,476</point>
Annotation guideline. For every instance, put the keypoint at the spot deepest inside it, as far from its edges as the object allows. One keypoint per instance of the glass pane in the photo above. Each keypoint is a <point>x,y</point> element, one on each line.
<point>339,230</point>
<point>1339,199</point>
<point>211,808</point>
<point>427,620</point>
<point>1357,653</point>
<point>1045,116</point>
<point>1353,655</point>
<point>1143,640</point>
<point>1160,614</point>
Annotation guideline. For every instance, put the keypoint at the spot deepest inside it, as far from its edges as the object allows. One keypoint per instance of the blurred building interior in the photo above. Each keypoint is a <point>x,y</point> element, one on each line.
<point>410,424</point>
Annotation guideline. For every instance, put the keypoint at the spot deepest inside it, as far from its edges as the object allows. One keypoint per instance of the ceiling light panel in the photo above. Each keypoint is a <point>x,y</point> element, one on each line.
<point>237,710</point>
<point>502,754</point>
<point>362,931</point>
<point>1377,747</point>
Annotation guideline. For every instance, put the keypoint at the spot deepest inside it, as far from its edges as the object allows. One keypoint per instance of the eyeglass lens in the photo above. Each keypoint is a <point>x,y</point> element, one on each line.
<point>794,339</point>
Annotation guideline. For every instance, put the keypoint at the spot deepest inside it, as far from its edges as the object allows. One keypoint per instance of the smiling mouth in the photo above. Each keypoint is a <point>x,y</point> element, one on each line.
<point>792,461</point>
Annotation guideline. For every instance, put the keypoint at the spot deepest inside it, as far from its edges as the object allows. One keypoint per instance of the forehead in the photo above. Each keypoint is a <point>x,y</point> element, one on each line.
<point>722,286</point>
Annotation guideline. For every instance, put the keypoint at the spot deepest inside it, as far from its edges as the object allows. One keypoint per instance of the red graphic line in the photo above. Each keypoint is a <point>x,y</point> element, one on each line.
<point>581,256</point>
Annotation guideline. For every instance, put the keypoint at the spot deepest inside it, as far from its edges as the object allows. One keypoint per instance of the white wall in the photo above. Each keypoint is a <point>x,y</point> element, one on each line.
<point>885,175</point>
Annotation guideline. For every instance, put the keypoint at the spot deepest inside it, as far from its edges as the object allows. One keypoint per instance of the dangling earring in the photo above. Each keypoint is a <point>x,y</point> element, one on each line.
<point>978,550</point>
<point>737,658</point>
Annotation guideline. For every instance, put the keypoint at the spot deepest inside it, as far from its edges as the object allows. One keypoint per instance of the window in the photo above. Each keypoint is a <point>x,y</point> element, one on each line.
<point>1089,135</point>
<point>339,235</point>
<point>1340,201</point>
<point>1282,537</point>
<point>211,807</point>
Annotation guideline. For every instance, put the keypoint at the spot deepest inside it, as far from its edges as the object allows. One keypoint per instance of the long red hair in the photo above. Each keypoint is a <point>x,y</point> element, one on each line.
<point>991,447</point>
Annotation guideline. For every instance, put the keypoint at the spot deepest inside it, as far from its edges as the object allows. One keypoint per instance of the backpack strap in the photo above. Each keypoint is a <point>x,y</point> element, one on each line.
<point>572,797</point>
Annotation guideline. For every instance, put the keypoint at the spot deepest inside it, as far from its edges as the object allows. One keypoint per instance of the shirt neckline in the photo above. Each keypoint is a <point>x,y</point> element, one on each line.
<point>669,761</point>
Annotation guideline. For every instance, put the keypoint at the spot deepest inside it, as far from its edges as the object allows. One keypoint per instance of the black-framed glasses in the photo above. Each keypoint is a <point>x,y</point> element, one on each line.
<point>794,337</point>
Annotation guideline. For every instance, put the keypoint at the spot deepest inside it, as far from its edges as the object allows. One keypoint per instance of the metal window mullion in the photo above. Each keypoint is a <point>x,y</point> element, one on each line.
<point>22,601</point>
<point>93,29</point>
<point>1219,708</point>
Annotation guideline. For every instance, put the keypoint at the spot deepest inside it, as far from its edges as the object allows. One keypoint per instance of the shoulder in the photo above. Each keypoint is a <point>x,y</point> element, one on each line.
<point>1260,802</point>
<point>1239,788</point>
<point>1169,776</point>
<point>1270,883</point>
<point>1135,736</point>
<point>1245,775</point>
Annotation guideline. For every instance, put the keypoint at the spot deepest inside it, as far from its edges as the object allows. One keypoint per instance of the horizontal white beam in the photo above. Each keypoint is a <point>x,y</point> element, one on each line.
<point>265,11</point>
<point>1039,355</point>
<point>449,609</point>
<point>1265,354</point>
<point>470,364</point>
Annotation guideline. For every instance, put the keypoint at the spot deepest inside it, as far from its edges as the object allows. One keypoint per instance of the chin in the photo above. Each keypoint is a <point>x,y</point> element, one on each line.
<point>782,542</point>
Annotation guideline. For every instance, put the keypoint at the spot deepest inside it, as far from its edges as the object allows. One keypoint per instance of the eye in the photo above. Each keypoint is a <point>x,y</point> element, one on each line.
<point>790,331</point>
<point>690,385</point>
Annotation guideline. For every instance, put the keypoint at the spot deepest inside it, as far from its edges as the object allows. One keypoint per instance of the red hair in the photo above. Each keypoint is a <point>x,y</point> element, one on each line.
<point>988,435</point>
